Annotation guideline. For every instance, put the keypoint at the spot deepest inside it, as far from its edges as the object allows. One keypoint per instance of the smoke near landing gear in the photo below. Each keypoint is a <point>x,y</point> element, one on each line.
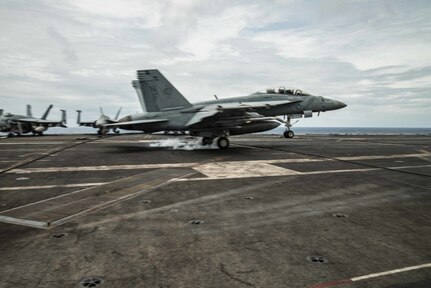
<point>183,144</point>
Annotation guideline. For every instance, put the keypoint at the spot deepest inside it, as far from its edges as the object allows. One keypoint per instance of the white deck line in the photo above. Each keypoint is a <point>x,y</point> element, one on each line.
<point>220,171</point>
<point>390,272</point>
<point>375,157</point>
<point>52,186</point>
<point>296,173</point>
<point>182,165</point>
<point>32,143</point>
<point>145,166</point>
<point>24,222</point>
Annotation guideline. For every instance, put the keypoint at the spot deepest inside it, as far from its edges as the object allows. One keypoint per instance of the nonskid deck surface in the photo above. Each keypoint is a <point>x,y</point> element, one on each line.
<point>158,211</point>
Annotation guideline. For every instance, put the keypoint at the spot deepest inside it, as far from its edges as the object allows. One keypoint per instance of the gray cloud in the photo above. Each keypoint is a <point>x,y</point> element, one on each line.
<point>67,48</point>
<point>373,55</point>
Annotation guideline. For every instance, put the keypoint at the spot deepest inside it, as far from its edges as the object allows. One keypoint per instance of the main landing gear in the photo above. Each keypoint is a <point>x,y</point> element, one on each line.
<point>102,131</point>
<point>288,133</point>
<point>222,142</point>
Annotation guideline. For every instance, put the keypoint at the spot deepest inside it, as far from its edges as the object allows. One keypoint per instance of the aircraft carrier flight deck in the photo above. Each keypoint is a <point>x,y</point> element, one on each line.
<point>157,211</point>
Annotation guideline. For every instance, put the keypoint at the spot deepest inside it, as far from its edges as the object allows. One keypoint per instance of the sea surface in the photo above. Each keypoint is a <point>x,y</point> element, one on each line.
<point>355,130</point>
<point>298,131</point>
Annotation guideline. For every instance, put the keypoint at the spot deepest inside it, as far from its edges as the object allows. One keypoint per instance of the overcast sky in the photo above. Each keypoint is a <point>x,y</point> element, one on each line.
<point>81,54</point>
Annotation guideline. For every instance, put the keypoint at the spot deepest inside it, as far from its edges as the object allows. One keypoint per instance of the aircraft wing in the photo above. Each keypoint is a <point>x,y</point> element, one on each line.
<point>110,121</point>
<point>249,105</point>
<point>49,123</point>
<point>235,113</point>
<point>87,124</point>
<point>138,124</point>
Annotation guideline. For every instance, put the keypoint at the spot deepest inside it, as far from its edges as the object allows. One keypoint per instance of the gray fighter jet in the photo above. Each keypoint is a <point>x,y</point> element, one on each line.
<point>15,124</point>
<point>100,123</point>
<point>165,109</point>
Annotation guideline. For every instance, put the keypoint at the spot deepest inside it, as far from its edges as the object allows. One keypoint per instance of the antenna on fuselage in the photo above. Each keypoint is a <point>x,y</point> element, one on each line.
<point>215,96</point>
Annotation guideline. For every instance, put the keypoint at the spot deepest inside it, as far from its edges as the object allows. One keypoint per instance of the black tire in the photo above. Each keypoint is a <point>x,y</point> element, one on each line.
<point>207,141</point>
<point>223,143</point>
<point>288,134</point>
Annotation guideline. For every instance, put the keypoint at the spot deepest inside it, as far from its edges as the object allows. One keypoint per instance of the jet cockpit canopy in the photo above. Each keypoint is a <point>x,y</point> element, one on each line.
<point>284,91</point>
<point>291,91</point>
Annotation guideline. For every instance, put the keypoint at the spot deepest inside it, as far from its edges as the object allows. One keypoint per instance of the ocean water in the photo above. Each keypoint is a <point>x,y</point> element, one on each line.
<point>354,131</point>
<point>279,130</point>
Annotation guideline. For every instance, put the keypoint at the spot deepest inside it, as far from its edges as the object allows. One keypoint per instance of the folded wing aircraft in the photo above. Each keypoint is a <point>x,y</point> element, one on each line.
<point>21,124</point>
<point>101,122</point>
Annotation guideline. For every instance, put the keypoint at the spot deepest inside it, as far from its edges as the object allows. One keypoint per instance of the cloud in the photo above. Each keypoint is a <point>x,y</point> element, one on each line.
<point>373,55</point>
<point>68,51</point>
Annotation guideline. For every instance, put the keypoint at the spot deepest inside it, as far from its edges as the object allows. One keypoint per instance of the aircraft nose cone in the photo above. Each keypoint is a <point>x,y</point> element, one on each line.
<point>341,105</point>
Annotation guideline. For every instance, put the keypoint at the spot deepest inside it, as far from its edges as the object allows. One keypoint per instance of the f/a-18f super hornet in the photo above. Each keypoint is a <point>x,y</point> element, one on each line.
<point>165,109</point>
<point>100,123</point>
<point>15,124</point>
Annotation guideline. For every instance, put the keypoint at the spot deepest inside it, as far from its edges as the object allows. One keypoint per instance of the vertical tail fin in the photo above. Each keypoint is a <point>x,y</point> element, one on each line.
<point>29,114</point>
<point>78,120</point>
<point>156,93</point>
<point>137,86</point>
<point>45,115</point>
<point>63,118</point>
<point>118,113</point>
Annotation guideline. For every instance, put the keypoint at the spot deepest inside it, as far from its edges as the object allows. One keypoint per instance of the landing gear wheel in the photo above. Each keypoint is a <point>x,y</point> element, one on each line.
<point>207,141</point>
<point>288,134</point>
<point>223,143</point>
<point>40,133</point>
<point>117,132</point>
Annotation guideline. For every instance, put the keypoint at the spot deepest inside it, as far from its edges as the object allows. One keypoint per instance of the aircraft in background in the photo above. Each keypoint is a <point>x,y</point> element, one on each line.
<point>100,122</point>
<point>166,109</point>
<point>15,124</point>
